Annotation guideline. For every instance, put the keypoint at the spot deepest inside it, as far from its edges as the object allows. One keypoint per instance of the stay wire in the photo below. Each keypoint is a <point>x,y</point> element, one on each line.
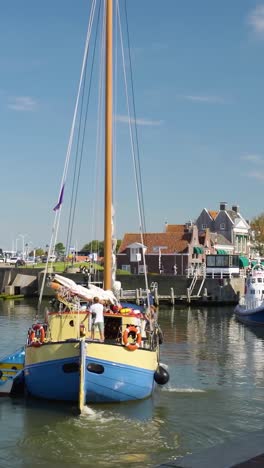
<point>81,139</point>
<point>136,132</point>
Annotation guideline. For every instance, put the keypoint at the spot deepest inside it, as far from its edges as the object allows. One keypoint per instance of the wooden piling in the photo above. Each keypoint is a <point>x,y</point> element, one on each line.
<point>137,297</point>
<point>156,296</point>
<point>172,296</point>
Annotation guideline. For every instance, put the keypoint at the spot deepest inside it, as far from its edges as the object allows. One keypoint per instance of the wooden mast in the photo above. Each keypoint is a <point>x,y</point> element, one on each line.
<point>108,147</point>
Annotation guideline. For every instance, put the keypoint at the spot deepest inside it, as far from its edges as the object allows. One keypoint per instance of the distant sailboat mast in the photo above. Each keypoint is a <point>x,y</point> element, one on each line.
<point>108,147</point>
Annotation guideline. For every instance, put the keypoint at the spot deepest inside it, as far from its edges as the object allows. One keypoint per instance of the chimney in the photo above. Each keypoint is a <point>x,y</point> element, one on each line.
<point>235,208</point>
<point>223,206</point>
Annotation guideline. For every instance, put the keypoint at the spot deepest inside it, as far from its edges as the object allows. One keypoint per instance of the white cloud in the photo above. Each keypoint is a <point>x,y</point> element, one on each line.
<point>256,19</point>
<point>22,104</point>
<point>254,158</point>
<point>207,99</point>
<point>150,123</point>
<point>256,175</point>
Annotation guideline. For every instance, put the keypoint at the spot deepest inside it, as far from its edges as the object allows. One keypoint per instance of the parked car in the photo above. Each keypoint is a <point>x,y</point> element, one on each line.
<point>12,260</point>
<point>2,259</point>
<point>52,259</point>
<point>30,261</point>
<point>16,261</point>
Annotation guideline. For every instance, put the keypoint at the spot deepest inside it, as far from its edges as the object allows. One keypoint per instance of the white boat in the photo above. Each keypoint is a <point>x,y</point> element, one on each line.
<point>63,360</point>
<point>250,309</point>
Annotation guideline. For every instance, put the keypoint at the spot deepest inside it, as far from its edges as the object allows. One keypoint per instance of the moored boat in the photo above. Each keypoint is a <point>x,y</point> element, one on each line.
<point>123,367</point>
<point>250,309</point>
<point>64,359</point>
<point>12,373</point>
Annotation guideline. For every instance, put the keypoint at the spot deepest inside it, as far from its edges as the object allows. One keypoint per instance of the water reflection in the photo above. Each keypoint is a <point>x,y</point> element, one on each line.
<point>208,348</point>
<point>215,393</point>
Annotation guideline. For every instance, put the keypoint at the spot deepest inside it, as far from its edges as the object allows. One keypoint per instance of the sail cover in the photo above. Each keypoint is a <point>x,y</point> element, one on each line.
<point>84,293</point>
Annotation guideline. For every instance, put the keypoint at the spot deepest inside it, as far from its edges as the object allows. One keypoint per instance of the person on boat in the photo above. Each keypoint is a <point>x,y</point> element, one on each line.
<point>97,311</point>
<point>150,298</point>
<point>151,313</point>
<point>114,308</point>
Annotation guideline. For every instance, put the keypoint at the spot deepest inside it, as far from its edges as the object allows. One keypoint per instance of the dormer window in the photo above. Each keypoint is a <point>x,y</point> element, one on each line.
<point>135,255</point>
<point>222,226</point>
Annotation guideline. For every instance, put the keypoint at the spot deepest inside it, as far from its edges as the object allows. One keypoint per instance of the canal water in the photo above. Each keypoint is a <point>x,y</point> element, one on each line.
<point>215,394</point>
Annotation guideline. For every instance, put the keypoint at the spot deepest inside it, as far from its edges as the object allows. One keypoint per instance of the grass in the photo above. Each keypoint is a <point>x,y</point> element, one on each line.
<point>60,267</point>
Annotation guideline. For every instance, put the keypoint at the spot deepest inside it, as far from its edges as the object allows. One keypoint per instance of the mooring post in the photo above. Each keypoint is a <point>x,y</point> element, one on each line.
<point>172,296</point>
<point>188,295</point>
<point>137,297</point>
<point>156,296</point>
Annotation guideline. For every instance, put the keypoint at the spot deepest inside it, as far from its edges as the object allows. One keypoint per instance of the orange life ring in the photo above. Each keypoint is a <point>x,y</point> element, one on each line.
<point>136,344</point>
<point>39,329</point>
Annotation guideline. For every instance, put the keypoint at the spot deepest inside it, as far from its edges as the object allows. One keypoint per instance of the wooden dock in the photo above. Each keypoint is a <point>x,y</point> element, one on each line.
<point>139,296</point>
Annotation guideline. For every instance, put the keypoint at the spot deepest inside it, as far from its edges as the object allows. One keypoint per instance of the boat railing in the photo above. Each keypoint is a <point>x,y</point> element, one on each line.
<point>251,303</point>
<point>224,273</point>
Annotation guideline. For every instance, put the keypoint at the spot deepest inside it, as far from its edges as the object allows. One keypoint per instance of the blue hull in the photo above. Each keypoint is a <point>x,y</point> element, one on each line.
<point>252,318</point>
<point>12,374</point>
<point>117,383</point>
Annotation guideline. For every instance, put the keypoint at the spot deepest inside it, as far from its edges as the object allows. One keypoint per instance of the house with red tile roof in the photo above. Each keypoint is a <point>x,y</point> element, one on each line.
<point>183,247</point>
<point>169,252</point>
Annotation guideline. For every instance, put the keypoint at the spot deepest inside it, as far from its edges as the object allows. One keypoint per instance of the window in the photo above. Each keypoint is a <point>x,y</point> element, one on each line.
<point>126,268</point>
<point>141,270</point>
<point>134,252</point>
<point>204,226</point>
<point>222,261</point>
<point>222,226</point>
<point>210,261</point>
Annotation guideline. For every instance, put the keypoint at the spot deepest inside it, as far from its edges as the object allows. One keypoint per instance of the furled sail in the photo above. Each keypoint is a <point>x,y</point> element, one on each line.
<point>82,292</point>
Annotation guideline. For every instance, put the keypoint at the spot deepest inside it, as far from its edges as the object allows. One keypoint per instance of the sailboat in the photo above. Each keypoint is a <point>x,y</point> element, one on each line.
<point>64,360</point>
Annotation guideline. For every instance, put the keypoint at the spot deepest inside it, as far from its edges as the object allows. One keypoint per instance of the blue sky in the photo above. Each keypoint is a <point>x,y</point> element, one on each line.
<point>198,79</point>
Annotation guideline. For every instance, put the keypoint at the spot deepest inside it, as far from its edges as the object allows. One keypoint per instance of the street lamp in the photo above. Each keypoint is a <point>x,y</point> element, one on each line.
<point>17,239</point>
<point>23,244</point>
<point>27,248</point>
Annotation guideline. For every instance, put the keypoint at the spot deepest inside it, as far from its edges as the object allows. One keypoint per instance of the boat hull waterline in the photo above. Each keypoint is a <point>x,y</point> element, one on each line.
<point>105,380</point>
<point>253,317</point>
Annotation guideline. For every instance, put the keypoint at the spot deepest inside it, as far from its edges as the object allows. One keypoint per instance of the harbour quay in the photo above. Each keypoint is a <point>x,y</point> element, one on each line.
<point>164,289</point>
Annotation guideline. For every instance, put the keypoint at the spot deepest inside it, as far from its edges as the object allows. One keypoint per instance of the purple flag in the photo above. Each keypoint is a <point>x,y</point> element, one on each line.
<point>57,207</point>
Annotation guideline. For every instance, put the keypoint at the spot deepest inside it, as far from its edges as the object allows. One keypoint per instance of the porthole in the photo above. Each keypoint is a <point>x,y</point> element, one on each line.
<point>70,367</point>
<point>95,368</point>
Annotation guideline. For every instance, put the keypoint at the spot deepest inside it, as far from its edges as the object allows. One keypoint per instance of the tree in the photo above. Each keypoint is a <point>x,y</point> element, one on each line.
<point>96,246</point>
<point>38,252</point>
<point>59,248</point>
<point>257,228</point>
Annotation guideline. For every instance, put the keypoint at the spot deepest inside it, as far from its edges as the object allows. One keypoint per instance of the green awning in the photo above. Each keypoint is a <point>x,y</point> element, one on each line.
<point>198,250</point>
<point>253,262</point>
<point>243,262</point>
<point>221,252</point>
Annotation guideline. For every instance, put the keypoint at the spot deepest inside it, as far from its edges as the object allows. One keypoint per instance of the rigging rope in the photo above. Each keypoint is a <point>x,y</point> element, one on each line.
<point>78,162</point>
<point>136,161</point>
<point>68,154</point>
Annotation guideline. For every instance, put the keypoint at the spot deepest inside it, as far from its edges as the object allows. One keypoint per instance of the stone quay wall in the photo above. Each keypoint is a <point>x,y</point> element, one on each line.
<point>28,281</point>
